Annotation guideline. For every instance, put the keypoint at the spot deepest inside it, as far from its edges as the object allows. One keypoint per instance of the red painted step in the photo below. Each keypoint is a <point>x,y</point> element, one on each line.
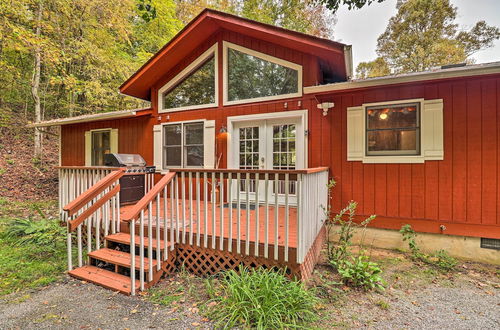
<point>105,278</point>
<point>124,238</point>
<point>119,258</point>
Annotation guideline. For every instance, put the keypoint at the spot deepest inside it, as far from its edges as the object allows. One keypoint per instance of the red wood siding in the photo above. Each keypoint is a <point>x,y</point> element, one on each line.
<point>461,192</point>
<point>134,136</point>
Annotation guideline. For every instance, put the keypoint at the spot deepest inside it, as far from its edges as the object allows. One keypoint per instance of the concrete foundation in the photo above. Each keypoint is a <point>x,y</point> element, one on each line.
<point>462,247</point>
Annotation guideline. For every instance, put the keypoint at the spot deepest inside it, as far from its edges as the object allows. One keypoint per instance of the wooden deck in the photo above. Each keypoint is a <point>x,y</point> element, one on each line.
<point>222,226</point>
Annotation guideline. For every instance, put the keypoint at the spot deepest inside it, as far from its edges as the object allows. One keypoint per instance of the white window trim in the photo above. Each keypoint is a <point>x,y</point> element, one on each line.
<point>265,57</point>
<point>231,121</point>
<point>172,83</point>
<point>164,170</point>
<point>113,142</point>
<point>388,159</point>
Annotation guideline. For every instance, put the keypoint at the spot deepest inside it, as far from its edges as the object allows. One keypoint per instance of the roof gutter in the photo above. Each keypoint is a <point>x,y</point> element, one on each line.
<point>471,71</point>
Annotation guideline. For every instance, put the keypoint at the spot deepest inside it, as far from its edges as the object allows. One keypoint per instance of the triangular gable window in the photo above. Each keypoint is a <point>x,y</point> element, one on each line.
<point>194,87</point>
<point>252,76</point>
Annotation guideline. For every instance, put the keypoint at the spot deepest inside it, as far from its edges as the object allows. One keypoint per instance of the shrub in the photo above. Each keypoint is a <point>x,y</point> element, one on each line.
<point>261,299</point>
<point>361,272</point>
<point>440,259</point>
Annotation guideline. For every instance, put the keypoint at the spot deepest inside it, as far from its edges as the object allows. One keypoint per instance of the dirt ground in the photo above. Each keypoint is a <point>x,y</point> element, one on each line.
<point>416,297</point>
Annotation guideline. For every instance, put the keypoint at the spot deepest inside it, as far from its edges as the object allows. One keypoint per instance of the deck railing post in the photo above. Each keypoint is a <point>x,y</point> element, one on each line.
<point>132,257</point>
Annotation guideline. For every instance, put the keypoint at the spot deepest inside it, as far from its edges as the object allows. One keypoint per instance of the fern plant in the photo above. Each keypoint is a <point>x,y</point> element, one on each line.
<point>42,232</point>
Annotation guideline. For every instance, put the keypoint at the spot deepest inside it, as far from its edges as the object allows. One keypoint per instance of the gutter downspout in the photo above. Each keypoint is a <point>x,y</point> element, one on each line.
<point>348,61</point>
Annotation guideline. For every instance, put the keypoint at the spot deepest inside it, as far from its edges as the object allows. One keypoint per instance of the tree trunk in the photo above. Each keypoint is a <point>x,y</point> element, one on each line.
<point>35,83</point>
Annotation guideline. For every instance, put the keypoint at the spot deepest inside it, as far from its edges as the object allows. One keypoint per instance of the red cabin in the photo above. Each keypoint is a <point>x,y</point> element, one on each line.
<point>248,123</point>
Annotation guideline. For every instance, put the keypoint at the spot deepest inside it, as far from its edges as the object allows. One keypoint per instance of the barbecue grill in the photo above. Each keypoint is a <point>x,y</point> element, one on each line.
<point>132,184</point>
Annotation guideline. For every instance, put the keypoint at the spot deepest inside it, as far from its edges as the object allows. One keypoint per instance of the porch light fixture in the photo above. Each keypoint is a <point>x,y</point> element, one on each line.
<point>325,106</point>
<point>223,129</point>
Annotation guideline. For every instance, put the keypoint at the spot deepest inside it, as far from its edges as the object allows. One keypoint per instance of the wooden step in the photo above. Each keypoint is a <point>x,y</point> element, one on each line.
<point>119,258</point>
<point>124,238</point>
<point>104,278</point>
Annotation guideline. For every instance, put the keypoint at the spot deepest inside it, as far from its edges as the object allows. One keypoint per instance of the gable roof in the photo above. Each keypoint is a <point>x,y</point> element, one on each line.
<point>207,23</point>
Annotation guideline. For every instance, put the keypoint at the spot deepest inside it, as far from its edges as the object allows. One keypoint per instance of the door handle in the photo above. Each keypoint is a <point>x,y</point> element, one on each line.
<point>262,162</point>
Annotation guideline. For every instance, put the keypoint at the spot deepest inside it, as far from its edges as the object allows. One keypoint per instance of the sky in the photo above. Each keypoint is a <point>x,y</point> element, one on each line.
<point>361,28</point>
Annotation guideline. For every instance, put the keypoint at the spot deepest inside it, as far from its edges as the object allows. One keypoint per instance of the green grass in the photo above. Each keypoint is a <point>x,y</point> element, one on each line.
<point>163,297</point>
<point>31,264</point>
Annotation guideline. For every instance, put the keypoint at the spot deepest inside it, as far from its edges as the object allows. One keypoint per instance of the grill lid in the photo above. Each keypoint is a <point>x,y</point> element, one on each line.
<point>128,160</point>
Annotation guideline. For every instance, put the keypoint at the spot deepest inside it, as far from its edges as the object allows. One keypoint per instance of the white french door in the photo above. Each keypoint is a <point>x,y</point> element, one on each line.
<point>271,144</point>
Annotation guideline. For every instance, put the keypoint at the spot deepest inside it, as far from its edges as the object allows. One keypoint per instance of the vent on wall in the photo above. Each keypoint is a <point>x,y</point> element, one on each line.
<point>490,243</point>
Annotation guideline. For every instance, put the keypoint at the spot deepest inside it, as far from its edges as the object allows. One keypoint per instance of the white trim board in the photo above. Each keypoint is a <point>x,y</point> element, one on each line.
<point>193,66</point>
<point>265,57</point>
<point>302,114</point>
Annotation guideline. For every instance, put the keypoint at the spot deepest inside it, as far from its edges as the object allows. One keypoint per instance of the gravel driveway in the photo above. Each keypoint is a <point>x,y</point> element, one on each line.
<point>76,305</point>
<point>444,308</point>
<point>469,303</point>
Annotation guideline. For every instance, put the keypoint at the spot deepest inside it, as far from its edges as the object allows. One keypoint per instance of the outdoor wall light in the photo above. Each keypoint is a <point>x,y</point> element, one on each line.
<point>325,106</point>
<point>223,129</point>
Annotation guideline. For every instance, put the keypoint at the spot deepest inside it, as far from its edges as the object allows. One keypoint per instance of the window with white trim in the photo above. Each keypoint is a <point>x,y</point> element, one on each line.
<point>251,76</point>
<point>404,131</point>
<point>195,87</point>
<point>183,145</point>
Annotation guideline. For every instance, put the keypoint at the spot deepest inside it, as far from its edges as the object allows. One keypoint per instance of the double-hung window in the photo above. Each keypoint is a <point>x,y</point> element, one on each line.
<point>183,145</point>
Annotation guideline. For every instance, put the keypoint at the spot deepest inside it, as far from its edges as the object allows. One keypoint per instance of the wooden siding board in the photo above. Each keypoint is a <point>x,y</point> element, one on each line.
<point>445,166</point>
<point>405,190</point>
<point>489,152</point>
<point>459,152</point>
<point>474,147</point>
<point>344,188</point>
<point>498,149</point>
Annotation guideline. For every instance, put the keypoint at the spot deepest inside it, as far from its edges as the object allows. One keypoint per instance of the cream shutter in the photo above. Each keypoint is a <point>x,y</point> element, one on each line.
<point>113,140</point>
<point>209,144</point>
<point>432,130</point>
<point>355,133</point>
<point>157,147</point>
<point>88,148</point>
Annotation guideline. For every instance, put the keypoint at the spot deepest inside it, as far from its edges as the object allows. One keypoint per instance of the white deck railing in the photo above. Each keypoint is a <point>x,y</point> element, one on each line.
<point>227,210</point>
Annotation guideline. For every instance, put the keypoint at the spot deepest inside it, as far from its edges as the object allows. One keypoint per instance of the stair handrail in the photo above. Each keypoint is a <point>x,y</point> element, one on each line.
<point>137,213</point>
<point>143,203</point>
<point>79,202</point>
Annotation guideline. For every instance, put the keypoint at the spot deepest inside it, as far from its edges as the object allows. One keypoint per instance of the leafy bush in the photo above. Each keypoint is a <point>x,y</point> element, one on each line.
<point>261,299</point>
<point>440,259</point>
<point>360,272</point>
<point>42,232</point>
<point>357,271</point>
